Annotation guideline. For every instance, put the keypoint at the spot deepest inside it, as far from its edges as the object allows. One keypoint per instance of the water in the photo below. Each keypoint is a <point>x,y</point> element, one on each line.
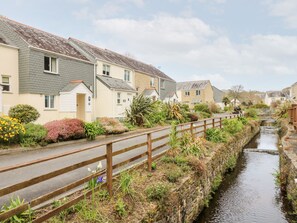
<point>249,194</point>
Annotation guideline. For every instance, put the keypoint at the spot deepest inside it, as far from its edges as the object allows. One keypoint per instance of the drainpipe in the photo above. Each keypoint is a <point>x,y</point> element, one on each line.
<point>159,88</point>
<point>94,92</point>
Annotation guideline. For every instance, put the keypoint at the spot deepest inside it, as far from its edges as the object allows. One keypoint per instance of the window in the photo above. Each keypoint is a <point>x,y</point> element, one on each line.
<point>187,93</point>
<point>51,64</point>
<point>119,98</point>
<point>127,76</point>
<point>49,101</point>
<point>106,70</point>
<point>5,83</point>
<point>152,82</point>
<point>162,84</point>
<point>197,92</point>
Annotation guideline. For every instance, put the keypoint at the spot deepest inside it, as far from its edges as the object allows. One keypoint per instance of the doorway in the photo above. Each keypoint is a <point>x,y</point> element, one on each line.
<point>80,106</point>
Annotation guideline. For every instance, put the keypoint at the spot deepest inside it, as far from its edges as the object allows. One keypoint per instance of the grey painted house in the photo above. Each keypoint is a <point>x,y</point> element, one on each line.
<point>47,64</point>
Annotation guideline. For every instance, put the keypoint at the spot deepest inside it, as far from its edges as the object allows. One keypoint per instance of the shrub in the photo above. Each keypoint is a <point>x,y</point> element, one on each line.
<point>175,112</point>
<point>203,115</point>
<point>191,146</point>
<point>231,163</point>
<point>93,129</point>
<point>216,135</point>
<point>243,120</point>
<point>213,108</point>
<point>202,108</point>
<point>193,117</point>
<point>251,113</point>
<point>10,129</point>
<point>24,113</point>
<point>140,108</point>
<point>260,106</point>
<point>173,139</point>
<point>66,129</point>
<point>232,126</point>
<point>157,191</point>
<point>158,116</point>
<point>33,135</point>
<point>112,126</point>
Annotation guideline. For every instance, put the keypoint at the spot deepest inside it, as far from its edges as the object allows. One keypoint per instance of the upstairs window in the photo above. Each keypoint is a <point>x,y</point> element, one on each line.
<point>152,82</point>
<point>119,98</point>
<point>49,101</point>
<point>187,93</point>
<point>106,70</point>
<point>5,83</point>
<point>197,92</point>
<point>127,76</point>
<point>51,64</point>
<point>162,84</point>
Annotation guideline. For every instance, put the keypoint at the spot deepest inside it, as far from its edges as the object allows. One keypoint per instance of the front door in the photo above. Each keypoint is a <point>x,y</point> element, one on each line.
<point>80,106</point>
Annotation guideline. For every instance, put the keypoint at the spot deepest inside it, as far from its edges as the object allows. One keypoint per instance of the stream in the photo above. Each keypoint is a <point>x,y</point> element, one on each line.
<point>249,194</point>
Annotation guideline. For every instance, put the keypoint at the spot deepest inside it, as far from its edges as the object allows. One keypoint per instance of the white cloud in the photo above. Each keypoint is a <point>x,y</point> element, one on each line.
<point>286,9</point>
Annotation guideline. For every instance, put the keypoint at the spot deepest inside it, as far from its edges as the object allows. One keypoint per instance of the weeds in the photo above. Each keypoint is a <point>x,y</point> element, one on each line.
<point>173,140</point>
<point>157,191</point>
<point>125,183</point>
<point>231,163</point>
<point>277,179</point>
<point>172,175</point>
<point>216,135</point>
<point>216,183</point>
<point>120,208</point>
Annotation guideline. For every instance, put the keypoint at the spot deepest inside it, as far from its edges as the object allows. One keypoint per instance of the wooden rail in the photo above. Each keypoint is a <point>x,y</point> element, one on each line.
<point>293,115</point>
<point>108,171</point>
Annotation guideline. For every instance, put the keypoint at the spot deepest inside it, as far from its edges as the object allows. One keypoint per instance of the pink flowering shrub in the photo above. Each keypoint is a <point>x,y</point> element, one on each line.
<point>66,129</point>
<point>112,125</point>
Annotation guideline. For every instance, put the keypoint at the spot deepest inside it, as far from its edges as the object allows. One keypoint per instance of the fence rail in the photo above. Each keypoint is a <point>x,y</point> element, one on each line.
<point>151,153</point>
<point>293,115</point>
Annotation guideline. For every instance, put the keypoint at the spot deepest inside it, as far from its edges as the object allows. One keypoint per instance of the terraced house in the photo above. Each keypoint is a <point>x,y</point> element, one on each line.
<point>67,78</point>
<point>194,92</point>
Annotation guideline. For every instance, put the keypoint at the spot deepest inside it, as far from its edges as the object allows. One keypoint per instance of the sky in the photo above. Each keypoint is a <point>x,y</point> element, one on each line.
<point>229,42</point>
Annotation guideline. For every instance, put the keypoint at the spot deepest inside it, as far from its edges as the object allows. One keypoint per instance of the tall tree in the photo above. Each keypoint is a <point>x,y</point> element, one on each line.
<point>226,101</point>
<point>235,91</point>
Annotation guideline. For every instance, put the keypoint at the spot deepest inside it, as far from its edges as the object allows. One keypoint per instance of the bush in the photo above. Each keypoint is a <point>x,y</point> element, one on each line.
<point>112,126</point>
<point>33,135</point>
<point>202,108</point>
<point>251,113</point>
<point>243,120</point>
<point>203,115</point>
<point>190,146</point>
<point>93,129</point>
<point>10,129</point>
<point>66,129</point>
<point>232,126</point>
<point>157,191</point>
<point>24,113</point>
<point>193,117</point>
<point>260,106</point>
<point>213,108</point>
<point>216,135</point>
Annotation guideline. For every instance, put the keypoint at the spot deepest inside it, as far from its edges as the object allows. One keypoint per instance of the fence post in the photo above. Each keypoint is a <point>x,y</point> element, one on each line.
<point>109,167</point>
<point>213,122</point>
<point>149,152</point>
<point>220,122</point>
<point>192,129</point>
<point>204,128</point>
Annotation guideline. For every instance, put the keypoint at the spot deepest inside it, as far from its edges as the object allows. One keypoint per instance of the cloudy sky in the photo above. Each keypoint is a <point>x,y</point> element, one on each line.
<point>230,42</point>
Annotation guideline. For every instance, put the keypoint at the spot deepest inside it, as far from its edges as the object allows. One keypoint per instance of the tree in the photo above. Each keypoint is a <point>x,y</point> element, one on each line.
<point>235,91</point>
<point>226,101</point>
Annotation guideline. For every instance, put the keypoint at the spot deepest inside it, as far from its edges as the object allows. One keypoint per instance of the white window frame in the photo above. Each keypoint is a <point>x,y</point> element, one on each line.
<point>50,65</point>
<point>118,98</point>
<point>51,102</point>
<point>198,92</point>
<point>152,82</point>
<point>6,84</point>
<point>127,75</point>
<point>106,70</point>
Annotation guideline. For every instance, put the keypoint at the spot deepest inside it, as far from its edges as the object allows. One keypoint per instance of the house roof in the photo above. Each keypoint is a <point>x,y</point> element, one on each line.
<point>72,85</point>
<point>43,40</point>
<point>148,92</point>
<point>275,94</point>
<point>115,83</point>
<point>2,41</point>
<point>116,58</point>
<point>217,94</point>
<point>189,85</point>
<point>170,94</point>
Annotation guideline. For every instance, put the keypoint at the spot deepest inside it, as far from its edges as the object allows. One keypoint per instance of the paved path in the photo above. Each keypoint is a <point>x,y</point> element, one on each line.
<point>26,173</point>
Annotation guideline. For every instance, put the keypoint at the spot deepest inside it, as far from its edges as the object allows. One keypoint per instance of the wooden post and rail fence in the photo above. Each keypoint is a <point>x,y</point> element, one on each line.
<point>150,154</point>
<point>293,115</point>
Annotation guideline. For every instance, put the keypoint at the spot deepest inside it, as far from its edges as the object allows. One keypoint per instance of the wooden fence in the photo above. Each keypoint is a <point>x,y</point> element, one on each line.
<point>293,115</point>
<point>151,153</point>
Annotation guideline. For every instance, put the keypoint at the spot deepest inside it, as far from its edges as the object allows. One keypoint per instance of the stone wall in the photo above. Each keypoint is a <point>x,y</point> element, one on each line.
<point>187,201</point>
<point>288,166</point>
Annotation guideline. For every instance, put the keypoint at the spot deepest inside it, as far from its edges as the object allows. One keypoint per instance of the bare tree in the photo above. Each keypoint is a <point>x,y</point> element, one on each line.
<point>235,91</point>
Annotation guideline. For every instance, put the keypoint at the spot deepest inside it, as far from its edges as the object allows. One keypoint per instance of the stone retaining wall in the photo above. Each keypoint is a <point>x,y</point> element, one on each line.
<point>187,201</point>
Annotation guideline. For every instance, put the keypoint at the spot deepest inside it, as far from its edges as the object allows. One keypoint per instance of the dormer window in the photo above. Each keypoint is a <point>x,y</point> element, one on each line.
<point>51,64</point>
<point>106,70</point>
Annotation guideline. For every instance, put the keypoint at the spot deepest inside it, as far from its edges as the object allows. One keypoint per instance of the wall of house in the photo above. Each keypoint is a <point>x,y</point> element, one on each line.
<point>207,94</point>
<point>42,82</point>
<point>293,91</point>
<point>116,71</point>
<point>9,67</point>
<point>142,82</point>
<point>169,86</point>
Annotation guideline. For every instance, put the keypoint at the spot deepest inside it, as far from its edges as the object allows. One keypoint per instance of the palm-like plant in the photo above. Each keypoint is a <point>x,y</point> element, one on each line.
<point>174,112</point>
<point>140,108</point>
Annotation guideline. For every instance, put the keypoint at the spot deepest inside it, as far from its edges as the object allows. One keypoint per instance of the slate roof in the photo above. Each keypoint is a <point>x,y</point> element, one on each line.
<point>189,85</point>
<point>148,92</point>
<point>275,94</point>
<point>2,41</point>
<point>72,85</point>
<point>43,40</point>
<point>217,94</point>
<point>115,83</point>
<point>170,94</point>
<point>116,58</point>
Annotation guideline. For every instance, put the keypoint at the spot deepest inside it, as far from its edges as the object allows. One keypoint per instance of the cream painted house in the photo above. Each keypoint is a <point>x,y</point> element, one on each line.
<point>274,96</point>
<point>9,74</point>
<point>195,92</point>
<point>293,92</point>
